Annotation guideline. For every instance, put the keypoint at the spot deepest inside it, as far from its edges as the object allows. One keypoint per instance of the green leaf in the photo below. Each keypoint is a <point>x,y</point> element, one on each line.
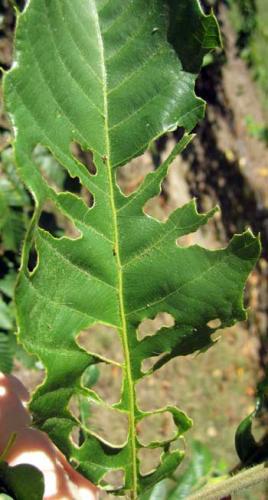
<point>159,492</point>
<point>248,449</point>
<point>51,168</point>
<point>7,283</point>
<point>14,201</point>
<point>6,319</point>
<point>12,229</point>
<point>245,443</point>
<point>101,74</point>
<point>192,33</point>
<point>23,481</point>
<point>91,376</point>
<point>11,186</point>
<point>6,355</point>
<point>198,468</point>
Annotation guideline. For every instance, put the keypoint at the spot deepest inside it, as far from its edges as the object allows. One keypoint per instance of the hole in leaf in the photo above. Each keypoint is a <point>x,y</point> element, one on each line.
<point>158,427</point>
<point>202,237</point>
<point>53,172</point>
<point>177,445</point>
<point>174,191</point>
<point>48,222</point>
<point>187,240</point>
<point>75,437</point>
<point>84,157</point>
<point>56,223</point>
<point>149,459</point>
<point>114,479</point>
<point>109,424</point>
<point>103,340</point>
<point>110,383</point>
<point>148,363</point>
<point>32,259</point>
<point>58,177</point>
<point>87,197</point>
<point>74,405</point>
<point>214,323</point>
<point>80,408</point>
<point>157,390</point>
<point>72,184</point>
<point>99,419</point>
<point>130,176</point>
<point>149,327</point>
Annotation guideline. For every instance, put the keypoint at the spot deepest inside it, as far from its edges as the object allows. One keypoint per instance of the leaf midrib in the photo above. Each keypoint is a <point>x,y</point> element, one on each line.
<point>130,382</point>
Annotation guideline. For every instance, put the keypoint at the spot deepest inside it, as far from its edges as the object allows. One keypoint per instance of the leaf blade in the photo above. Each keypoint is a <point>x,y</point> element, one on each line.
<point>95,77</point>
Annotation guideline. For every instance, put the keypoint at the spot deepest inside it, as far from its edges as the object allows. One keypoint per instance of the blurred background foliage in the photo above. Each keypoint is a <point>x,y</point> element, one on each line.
<point>250,20</point>
<point>227,164</point>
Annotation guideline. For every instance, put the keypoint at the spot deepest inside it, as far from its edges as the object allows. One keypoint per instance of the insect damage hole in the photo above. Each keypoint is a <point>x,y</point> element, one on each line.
<point>177,445</point>
<point>52,171</point>
<point>101,419</point>
<point>58,177</point>
<point>105,379</point>
<point>149,459</point>
<point>83,156</point>
<point>102,340</point>
<point>160,388</point>
<point>32,259</point>
<point>109,383</point>
<point>149,327</point>
<point>130,176</point>
<point>174,191</point>
<point>214,323</point>
<point>75,437</point>
<point>148,363</point>
<point>158,427</point>
<point>114,479</point>
<point>56,223</point>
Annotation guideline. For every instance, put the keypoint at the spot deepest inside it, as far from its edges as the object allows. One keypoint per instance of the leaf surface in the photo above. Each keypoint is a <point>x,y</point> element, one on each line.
<point>195,474</point>
<point>193,39</point>
<point>102,75</point>
<point>249,450</point>
<point>23,481</point>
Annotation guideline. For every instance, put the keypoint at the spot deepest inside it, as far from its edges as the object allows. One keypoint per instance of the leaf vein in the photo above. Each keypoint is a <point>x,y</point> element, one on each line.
<point>136,71</point>
<point>72,264</point>
<point>78,46</point>
<point>196,278</point>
